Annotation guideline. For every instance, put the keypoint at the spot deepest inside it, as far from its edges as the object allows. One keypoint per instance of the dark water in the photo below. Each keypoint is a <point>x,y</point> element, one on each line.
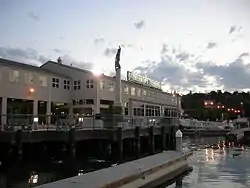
<point>216,168</point>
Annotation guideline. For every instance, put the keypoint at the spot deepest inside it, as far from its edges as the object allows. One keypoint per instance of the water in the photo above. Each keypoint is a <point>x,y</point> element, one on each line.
<point>216,168</point>
<point>212,168</point>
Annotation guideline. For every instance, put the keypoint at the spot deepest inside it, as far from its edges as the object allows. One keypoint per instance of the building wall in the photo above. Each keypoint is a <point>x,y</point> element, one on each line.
<point>19,87</point>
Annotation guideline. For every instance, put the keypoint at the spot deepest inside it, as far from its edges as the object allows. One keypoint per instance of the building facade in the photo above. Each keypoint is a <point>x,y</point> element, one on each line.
<point>78,90</point>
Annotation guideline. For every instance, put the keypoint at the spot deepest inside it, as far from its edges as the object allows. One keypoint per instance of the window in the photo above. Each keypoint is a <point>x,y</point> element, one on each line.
<point>77,85</point>
<point>132,91</point>
<point>29,78</point>
<point>126,89</point>
<point>55,82</point>
<point>138,109</point>
<point>42,80</point>
<point>14,76</point>
<point>139,92</point>
<point>102,85</point>
<point>89,83</point>
<point>66,84</point>
<point>144,92</point>
<point>111,86</point>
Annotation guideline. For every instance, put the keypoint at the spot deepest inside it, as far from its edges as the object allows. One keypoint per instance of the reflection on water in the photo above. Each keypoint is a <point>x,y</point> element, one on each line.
<point>216,166</point>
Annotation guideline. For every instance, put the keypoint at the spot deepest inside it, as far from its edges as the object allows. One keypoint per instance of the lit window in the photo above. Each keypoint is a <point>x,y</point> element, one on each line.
<point>77,85</point>
<point>102,85</point>
<point>132,91</point>
<point>66,84</point>
<point>14,76</point>
<point>139,92</point>
<point>111,86</point>
<point>144,92</point>
<point>29,78</point>
<point>42,80</point>
<point>55,82</point>
<point>89,83</point>
<point>126,89</point>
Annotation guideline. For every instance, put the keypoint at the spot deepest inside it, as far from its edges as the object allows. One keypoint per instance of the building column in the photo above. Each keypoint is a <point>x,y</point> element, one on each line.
<point>4,111</point>
<point>48,112</point>
<point>130,108</point>
<point>35,108</point>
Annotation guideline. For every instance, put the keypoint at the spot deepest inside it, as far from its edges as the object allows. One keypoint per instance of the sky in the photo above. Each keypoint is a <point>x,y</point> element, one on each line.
<point>195,45</point>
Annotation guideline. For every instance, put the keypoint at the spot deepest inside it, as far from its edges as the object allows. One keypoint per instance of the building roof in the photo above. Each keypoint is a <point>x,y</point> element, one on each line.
<point>70,67</point>
<point>15,64</point>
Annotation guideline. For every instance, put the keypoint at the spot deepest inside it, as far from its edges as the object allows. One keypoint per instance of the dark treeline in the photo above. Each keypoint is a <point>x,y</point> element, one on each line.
<point>225,105</point>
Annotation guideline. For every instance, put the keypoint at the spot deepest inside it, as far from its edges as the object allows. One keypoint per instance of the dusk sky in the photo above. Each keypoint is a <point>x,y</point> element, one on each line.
<point>197,45</point>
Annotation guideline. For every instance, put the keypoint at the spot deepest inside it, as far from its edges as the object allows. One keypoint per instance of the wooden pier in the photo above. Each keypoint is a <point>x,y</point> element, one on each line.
<point>146,172</point>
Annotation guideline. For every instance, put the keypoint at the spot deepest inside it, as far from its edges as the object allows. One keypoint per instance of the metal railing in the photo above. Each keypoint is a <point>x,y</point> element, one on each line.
<point>12,122</point>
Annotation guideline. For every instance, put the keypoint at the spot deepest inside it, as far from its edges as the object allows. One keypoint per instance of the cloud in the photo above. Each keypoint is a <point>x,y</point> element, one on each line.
<point>34,16</point>
<point>235,75</point>
<point>234,29</point>
<point>109,52</point>
<point>211,45</point>
<point>31,56</point>
<point>245,54</point>
<point>99,40</point>
<point>184,71</point>
<point>24,55</point>
<point>57,50</point>
<point>139,24</point>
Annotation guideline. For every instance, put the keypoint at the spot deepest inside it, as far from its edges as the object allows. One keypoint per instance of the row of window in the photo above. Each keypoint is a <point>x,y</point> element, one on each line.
<point>76,84</point>
<point>29,77</point>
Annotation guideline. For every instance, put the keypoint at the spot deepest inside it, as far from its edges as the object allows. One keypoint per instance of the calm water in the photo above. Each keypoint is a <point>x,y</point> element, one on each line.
<point>216,168</point>
<point>212,168</point>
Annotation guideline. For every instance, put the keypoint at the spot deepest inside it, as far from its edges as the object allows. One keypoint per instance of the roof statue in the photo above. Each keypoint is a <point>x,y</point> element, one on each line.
<point>117,59</point>
<point>59,60</point>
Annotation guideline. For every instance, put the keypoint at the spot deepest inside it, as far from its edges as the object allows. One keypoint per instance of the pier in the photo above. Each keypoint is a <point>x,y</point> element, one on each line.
<point>146,172</point>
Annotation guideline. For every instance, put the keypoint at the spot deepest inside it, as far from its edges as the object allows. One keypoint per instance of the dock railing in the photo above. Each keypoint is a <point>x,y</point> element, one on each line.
<point>55,122</point>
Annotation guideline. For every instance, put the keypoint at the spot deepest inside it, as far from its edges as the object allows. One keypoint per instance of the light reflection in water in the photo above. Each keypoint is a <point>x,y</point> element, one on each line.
<point>217,167</point>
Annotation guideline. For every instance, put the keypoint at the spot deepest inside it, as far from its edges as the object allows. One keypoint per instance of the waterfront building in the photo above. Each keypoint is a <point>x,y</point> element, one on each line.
<point>57,88</point>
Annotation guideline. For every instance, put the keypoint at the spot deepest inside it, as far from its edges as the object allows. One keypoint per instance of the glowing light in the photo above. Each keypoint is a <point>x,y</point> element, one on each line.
<point>31,90</point>
<point>96,71</point>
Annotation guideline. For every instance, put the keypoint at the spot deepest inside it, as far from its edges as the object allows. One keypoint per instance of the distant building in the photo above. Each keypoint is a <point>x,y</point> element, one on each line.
<point>55,86</point>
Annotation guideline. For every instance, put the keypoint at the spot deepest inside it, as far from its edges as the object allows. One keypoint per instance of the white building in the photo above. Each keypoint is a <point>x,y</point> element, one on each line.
<point>81,90</point>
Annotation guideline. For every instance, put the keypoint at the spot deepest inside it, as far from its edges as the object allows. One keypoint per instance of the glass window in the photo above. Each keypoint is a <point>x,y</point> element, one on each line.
<point>43,80</point>
<point>144,92</point>
<point>139,92</point>
<point>29,78</point>
<point>126,89</point>
<point>55,82</point>
<point>132,91</point>
<point>89,84</point>
<point>14,76</point>
<point>66,84</point>
<point>111,86</point>
<point>102,85</point>
<point>77,85</point>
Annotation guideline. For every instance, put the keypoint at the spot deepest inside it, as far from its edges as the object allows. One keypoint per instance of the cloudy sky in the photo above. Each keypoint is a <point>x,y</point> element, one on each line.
<point>196,45</point>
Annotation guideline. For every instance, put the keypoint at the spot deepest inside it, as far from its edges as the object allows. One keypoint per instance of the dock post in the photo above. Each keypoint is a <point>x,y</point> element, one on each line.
<point>163,137</point>
<point>151,140</point>
<point>19,148</point>
<point>137,142</point>
<point>71,143</point>
<point>178,136</point>
<point>172,137</point>
<point>119,144</point>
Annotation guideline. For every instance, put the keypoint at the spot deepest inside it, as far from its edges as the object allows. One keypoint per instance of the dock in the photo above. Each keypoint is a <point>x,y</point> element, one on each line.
<point>145,172</point>
<point>241,136</point>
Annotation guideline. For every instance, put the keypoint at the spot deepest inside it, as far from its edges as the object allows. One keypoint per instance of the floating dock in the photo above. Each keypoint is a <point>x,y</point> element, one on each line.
<point>142,173</point>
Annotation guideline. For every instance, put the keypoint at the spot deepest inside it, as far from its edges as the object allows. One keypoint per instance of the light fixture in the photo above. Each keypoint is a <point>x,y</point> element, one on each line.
<point>31,90</point>
<point>35,120</point>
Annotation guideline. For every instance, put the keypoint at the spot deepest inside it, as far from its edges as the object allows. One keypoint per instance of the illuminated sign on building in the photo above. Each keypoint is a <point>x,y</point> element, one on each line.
<point>140,79</point>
